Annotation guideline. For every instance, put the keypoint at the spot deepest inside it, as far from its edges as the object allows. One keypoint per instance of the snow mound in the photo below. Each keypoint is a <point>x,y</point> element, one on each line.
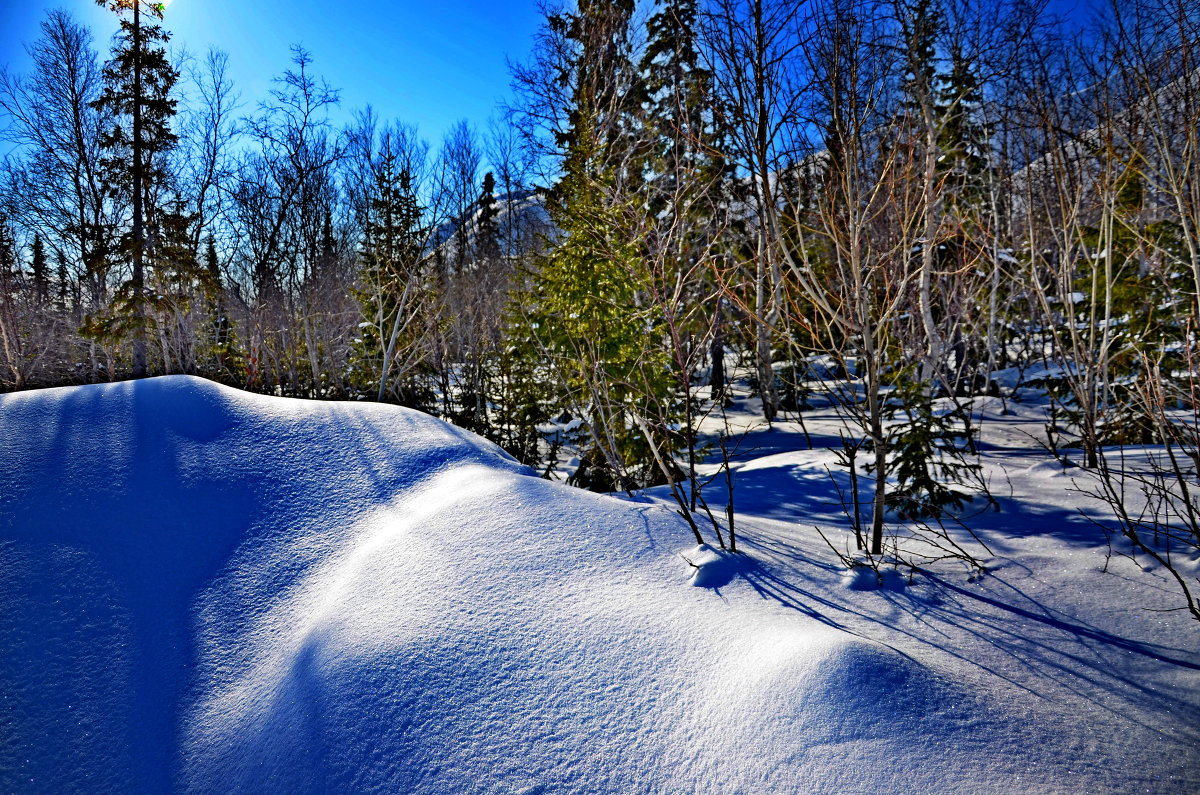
<point>212,591</point>
<point>1050,469</point>
<point>712,568</point>
<point>864,578</point>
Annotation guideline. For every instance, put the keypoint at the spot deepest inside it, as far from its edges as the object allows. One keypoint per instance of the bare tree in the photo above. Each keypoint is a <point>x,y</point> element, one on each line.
<point>55,187</point>
<point>752,48</point>
<point>278,205</point>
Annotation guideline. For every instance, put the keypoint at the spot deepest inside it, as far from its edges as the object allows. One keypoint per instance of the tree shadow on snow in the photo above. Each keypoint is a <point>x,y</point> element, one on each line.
<point>1042,642</point>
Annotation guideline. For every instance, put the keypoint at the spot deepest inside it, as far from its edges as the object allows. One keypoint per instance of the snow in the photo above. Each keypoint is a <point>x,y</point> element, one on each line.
<point>865,578</point>
<point>206,590</point>
<point>713,567</point>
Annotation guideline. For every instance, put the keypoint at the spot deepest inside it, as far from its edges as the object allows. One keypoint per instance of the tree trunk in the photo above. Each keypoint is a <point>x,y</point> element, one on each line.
<point>716,354</point>
<point>138,282</point>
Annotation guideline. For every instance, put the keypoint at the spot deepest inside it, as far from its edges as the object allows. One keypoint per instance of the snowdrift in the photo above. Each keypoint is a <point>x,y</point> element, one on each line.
<point>206,590</point>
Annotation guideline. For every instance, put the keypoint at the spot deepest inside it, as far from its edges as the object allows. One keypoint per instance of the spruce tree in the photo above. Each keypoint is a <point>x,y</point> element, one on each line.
<point>220,341</point>
<point>180,287</point>
<point>964,140</point>
<point>487,235</point>
<point>480,293</point>
<point>394,280</point>
<point>676,99</point>
<point>924,447</point>
<point>921,24</point>
<point>521,401</point>
<point>605,86</point>
<point>12,320</point>
<point>41,274</point>
<point>588,314</point>
<point>590,322</point>
<point>964,173</point>
<point>64,283</point>
<point>681,177</point>
<point>137,95</point>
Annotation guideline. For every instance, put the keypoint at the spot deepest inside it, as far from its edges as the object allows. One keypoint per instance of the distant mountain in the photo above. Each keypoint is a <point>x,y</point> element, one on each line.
<point>522,224</point>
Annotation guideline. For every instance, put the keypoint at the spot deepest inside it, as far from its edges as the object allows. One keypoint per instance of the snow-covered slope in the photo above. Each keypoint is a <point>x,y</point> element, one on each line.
<point>206,590</point>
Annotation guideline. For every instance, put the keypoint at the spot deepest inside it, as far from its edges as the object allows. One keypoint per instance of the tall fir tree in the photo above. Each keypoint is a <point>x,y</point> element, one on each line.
<point>921,24</point>
<point>221,356</point>
<point>394,278</point>
<point>137,94</point>
<point>64,283</point>
<point>676,99</point>
<point>605,86</point>
<point>965,141</point>
<point>587,314</point>
<point>12,321</point>
<point>41,271</point>
<point>591,321</point>
<point>487,235</point>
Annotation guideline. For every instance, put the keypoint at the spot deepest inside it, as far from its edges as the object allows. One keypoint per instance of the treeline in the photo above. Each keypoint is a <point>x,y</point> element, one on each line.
<point>895,201</point>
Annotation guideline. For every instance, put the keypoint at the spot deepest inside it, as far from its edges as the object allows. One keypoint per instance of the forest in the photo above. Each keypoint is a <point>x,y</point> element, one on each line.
<point>901,205</point>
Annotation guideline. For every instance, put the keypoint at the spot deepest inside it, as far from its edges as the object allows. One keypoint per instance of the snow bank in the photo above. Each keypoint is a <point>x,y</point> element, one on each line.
<point>206,590</point>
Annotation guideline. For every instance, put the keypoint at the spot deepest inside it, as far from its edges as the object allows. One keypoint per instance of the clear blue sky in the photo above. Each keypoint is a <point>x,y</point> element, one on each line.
<point>429,63</point>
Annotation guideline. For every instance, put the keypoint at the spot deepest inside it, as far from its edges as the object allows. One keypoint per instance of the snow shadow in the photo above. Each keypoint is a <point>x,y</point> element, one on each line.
<point>970,625</point>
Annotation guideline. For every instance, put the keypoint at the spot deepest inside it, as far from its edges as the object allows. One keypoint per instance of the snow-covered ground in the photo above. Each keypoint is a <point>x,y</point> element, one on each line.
<point>206,590</point>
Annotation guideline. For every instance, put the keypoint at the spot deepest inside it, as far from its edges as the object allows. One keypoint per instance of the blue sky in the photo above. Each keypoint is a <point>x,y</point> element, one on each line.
<point>429,63</point>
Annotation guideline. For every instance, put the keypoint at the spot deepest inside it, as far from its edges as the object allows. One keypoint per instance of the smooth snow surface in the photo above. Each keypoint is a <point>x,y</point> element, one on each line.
<point>206,590</point>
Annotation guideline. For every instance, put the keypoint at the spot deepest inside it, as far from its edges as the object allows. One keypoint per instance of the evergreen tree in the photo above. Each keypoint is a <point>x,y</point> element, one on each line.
<point>964,141</point>
<point>220,341</point>
<point>395,287</point>
<point>9,267</point>
<point>41,275</point>
<point>1127,274</point>
<point>479,301</point>
<point>180,289</point>
<point>13,323</point>
<point>587,311</point>
<point>138,83</point>
<point>676,100</point>
<point>682,179</point>
<point>967,180</point>
<point>928,453</point>
<point>921,24</point>
<point>519,397</point>
<point>487,235</point>
<point>605,85</point>
<point>589,322</point>
<point>64,283</point>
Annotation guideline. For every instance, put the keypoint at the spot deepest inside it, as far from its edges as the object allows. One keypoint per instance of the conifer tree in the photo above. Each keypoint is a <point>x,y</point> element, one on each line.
<point>64,284</point>
<point>137,92</point>
<point>682,180</point>
<point>521,401</point>
<point>219,337</point>
<point>180,287</point>
<point>921,24</point>
<point>479,293</point>
<point>394,279</point>
<point>41,277</point>
<point>919,153</point>
<point>941,163</point>
<point>965,172</point>
<point>605,86</point>
<point>592,324</point>
<point>676,100</point>
<point>487,235</point>
<point>587,314</point>
<point>964,140</point>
